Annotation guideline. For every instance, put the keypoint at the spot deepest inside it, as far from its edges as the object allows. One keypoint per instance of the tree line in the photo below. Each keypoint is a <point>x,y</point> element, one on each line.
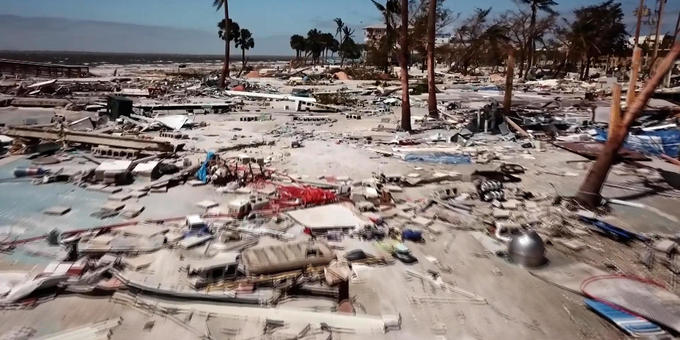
<point>534,33</point>
<point>317,44</point>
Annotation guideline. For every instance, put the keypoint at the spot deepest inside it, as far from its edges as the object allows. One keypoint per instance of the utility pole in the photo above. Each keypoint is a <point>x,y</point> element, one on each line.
<point>640,9</point>
<point>589,192</point>
<point>677,29</point>
<point>637,54</point>
<point>509,74</point>
<point>507,100</point>
<point>403,61</point>
<point>615,112</point>
<point>667,80</point>
<point>431,86</point>
<point>634,70</point>
<point>656,34</point>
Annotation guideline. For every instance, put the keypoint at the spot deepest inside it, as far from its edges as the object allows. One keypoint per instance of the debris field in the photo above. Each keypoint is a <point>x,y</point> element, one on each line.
<point>291,206</point>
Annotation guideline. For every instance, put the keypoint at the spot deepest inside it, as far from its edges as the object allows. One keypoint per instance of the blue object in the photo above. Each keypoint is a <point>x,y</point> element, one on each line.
<point>23,172</point>
<point>629,323</point>
<point>613,232</point>
<point>650,142</point>
<point>437,157</point>
<point>412,235</point>
<point>202,173</point>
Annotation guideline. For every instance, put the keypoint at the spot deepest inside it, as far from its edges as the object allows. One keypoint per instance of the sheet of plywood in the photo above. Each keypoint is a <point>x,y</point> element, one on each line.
<point>327,217</point>
<point>566,273</point>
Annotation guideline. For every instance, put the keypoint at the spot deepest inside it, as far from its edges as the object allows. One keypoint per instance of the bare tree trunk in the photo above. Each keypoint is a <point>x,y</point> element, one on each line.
<point>403,60</point>
<point>587,72</point>
<point>387,39</point>
<point>589,193</point>
<point>243,59</point>
<point>225,68</point>
<point>431,88</point>
<point>521,63</point>
<point>532,38</point>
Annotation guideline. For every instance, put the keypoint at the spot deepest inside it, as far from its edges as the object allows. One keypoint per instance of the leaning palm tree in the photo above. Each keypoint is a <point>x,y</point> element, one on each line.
<point>244,41</point>
<point>225,69</point>
<point>536,5</point>
<point>431,89</point>
<point>403,62</point>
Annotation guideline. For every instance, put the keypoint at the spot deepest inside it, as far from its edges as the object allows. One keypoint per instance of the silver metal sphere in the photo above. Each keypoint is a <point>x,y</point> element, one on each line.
<point>527,249</point>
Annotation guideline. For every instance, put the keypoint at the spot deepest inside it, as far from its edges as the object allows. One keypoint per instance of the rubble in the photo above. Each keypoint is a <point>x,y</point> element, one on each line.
<point>291,203</point>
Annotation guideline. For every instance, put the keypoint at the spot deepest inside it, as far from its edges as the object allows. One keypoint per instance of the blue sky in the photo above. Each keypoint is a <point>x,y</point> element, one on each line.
<point>265,18</point>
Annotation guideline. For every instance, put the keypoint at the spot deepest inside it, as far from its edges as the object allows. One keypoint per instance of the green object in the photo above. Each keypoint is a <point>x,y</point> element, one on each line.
<point>401,248</point>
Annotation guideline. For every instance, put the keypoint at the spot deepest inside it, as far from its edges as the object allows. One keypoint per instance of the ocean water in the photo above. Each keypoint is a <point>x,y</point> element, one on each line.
<point>96,58</point>
<point>22,204</point>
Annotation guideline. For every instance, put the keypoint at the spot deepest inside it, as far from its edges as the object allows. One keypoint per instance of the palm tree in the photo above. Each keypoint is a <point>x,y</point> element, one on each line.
<point>388,11</point>
<point>403,61</point>
<point>297,42</point>
<point>244,41</point>
<point>350,49</point>
<point>328,43</point>
<point>346,34</point>
<point>338,29</point>
<point>225,69</point>
<point>314,44</point>
<point>536,5</point>
<point>431,89</point>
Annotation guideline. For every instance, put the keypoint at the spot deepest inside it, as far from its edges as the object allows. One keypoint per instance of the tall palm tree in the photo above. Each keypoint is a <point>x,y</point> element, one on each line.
<point>431,89</point>
<point>225,69</point>
<point>338,29</point>
<point>346,34</point>
<point>244,41</point>
<point>388,11</point>
<point>536,5</point>
<point>403,61</point>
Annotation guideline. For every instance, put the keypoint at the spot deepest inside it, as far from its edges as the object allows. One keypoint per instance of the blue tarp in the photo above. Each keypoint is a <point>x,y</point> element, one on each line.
<point>650,142</point>
<point>202,173</point>
<point>412,235</point>
<point>437,157</point>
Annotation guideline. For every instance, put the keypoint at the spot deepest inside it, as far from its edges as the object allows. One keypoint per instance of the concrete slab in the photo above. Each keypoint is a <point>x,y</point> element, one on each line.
<point>332,216</point>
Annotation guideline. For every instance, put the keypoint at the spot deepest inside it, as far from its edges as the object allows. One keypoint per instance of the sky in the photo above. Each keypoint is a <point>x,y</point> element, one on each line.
<point>268,20</point>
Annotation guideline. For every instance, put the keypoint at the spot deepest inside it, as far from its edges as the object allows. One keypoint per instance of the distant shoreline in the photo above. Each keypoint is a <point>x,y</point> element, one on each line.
<point>99,58</point>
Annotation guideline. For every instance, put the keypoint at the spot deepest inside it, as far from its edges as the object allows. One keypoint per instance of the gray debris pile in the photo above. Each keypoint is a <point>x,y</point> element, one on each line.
<point>290,204</point>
